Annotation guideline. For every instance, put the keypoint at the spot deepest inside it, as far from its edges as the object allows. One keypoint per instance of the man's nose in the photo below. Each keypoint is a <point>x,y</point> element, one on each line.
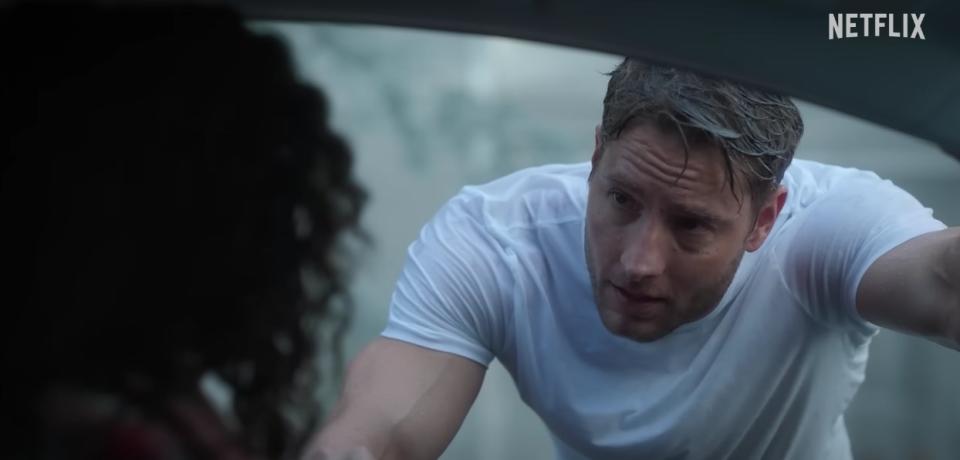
<point>646,249</point>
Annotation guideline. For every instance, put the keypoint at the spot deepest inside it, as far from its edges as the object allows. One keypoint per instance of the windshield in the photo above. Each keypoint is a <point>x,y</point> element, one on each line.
<point>427,113</point>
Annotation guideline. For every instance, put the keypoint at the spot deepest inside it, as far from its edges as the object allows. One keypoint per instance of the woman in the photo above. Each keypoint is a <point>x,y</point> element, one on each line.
<point>173,203</point>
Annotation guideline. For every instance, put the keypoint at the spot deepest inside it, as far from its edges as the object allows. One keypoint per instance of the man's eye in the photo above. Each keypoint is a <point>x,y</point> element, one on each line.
<point>620,199</point>
<point>691,225</point>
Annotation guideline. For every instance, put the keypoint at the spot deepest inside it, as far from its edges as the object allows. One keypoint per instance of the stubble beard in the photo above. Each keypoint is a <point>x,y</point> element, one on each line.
<point>697,306</point>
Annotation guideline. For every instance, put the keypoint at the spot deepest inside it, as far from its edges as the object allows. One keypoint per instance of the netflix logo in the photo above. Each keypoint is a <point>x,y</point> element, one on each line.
<point>856,25</point>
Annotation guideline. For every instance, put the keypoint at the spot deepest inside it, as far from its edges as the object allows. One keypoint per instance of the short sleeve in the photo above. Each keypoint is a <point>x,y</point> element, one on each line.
<point>835,238</point>
<point>452,290</point>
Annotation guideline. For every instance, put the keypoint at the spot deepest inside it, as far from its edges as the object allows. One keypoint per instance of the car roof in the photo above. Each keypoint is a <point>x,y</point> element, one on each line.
<point>910,85</point>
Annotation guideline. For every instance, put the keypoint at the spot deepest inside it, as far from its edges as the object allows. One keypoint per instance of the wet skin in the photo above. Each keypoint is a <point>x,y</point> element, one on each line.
<point>663,241</point>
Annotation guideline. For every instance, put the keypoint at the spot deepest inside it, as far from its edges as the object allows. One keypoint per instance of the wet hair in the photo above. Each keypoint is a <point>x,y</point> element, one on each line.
<point>174,206</point>
<point>756,131</point>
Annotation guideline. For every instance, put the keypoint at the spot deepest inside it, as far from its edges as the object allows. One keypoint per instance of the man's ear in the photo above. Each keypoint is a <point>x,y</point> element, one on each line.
<point>766,218</point>
<point>597,148</point>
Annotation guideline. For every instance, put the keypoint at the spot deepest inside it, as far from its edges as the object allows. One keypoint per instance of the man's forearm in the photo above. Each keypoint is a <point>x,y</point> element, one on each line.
<point>947,292</point>
<point>915,288</point>
<point>356,453</point>
<point>399,401</point>
<point>952,278</point>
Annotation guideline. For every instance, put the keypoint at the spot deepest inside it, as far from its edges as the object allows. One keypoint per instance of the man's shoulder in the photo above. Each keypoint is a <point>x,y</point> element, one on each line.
<point>819,192</point>
<point>805,171</point>
<point>530,197</point>
<point>809,181</point>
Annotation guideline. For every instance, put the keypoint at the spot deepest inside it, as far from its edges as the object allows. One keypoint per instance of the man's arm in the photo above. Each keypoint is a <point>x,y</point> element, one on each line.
<point>915,288</point>
<point>399,401</point>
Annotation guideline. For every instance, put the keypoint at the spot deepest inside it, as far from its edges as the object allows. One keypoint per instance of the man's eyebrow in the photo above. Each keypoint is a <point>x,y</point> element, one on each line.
<point>619,181</point>
<point>698,212</point>
<point>684,210</point>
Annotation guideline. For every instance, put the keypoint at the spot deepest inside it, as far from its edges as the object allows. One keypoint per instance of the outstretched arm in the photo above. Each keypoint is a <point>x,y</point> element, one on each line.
<point>399,401</point>
<point>915,288</point>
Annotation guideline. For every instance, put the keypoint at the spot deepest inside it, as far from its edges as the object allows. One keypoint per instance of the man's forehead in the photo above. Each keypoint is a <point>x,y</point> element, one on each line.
<point>682,193</point>
<point>644,152</point>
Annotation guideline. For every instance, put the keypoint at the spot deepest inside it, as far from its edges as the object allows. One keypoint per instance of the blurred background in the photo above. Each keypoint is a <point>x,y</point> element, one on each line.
<point>427,113</point>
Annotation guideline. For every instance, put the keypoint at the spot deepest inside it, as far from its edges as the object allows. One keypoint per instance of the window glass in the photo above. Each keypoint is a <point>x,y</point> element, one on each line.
<point>428,112</point>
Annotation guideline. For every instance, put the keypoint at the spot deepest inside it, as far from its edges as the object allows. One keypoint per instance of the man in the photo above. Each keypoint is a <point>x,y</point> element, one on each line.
<point>167,182</point>
<point>688,294</point>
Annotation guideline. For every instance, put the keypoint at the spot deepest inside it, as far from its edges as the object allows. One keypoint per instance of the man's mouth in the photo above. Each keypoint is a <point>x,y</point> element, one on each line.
<point>638,303</point>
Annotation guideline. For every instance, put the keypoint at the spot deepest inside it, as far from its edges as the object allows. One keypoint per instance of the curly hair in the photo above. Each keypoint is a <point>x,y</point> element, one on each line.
<point>757,131</point>
<point>168,187</point>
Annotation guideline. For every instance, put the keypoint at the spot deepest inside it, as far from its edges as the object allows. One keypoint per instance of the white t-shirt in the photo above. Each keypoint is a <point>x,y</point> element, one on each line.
<point>500,272</point>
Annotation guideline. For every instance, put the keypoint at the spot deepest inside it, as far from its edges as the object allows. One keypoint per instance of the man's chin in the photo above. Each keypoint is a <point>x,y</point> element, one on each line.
<point>636,329</point>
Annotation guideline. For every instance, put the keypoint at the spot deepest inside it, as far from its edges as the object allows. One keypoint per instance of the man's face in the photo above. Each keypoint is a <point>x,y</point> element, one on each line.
<point>663,241</point>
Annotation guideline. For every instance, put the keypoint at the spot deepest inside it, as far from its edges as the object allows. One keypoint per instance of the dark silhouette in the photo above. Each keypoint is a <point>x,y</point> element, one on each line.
<point>167,183</point>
